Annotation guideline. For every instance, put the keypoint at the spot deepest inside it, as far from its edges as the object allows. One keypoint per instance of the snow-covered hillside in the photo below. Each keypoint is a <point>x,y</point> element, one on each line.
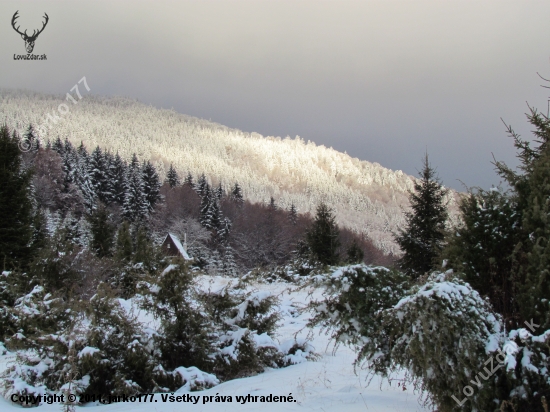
<point>327,384</point>
<point>366,197</point>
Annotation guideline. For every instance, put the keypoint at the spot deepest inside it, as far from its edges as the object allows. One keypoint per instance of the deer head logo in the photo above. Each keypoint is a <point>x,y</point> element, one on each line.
<point>29,40</point>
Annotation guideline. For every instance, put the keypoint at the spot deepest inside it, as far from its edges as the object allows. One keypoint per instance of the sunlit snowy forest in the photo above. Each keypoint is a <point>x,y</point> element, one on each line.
<point>366,197</point>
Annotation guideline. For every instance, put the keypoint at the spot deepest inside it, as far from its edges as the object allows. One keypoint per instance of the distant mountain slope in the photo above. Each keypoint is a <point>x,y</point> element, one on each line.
<point>365,196</point>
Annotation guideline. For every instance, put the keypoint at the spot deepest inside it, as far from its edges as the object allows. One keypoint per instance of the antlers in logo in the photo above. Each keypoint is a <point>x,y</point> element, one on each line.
<point>29,40</point>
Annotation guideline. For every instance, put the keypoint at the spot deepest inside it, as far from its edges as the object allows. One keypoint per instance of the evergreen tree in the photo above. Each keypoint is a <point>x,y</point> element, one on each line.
<point>30,140</point>
<point>185,338</point>
<point>293,215</point>
<point>205,217</point>
<point>151,185</point>
<point>143,252</point>
<point>82,152</point>
<point>272,205</point>
<point>531,186</point>
<point>323,237</point>
<point>68,146</point>
<point>135,207</point>
<point>481,247</point>
<point>422,239</point>
<point>189,180</point>
<point>16,214</point>
<point>54,265</point>
<point>172,177</point>
<point>71,230</point>
<point>124,248</point>
<point>215,214</point>
<point>58,146</point>
<point>110,176</point>
<point>134,163</point>
<point>102,232</point>
<point>99,178</point>
<point>40,231</point>
<point>219,192</point>
<point>118,179</point>
<point>237,194</point>
<point>69,161</point>
<point>201,185</point>
<point>229,268</point>
<point>224,231</point>
<point>355,253</point>
<point>84,181</point>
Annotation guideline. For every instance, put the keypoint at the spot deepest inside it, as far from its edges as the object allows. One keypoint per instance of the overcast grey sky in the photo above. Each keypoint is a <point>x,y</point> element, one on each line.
<point>382,80</point>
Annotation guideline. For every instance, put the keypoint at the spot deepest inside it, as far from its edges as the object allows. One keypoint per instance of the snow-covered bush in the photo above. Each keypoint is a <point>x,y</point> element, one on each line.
<point>12,285</point>
<point>96,348</point>
<point>97,345</point>
<point>244,336</point>
<point>527,370</point>
<point>229,332</point>
<point>354,298</point>
<point>443,334</point>
<point>184,337</point>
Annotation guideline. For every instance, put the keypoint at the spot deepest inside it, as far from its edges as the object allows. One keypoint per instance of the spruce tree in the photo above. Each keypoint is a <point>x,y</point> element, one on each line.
<point>293,215</point>
<point>215,214</point>
<point>118,179</point>
<point>531,186</point>
<point>422,239</point>
<point>58,146</point>
<point>69,161</point>
<point>84,181</point>
<point>143,252</point>
<point>124,247</point>
<point>82,152</point>
<point>110,176</point>
<point>225,230</point>
<point>189,180</point>
<point>135,207</point>
<point>16,213</point>
<point>219,192</point>
<point>481,247</point>
<point>201,185</point>
<point>229,267</point>
<point>323,237</point>
<point>237,194</point>
<point>355,253</point>
<point>30,140</point>
<point>102,232</point>
<point>151,185</point>
<point>99,178</point>
<point>134,163</point>
<point>205,217</point>
<point>172,177</point>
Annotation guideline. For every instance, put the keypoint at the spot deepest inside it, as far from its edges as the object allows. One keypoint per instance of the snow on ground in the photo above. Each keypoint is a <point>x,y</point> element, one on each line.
<point>327,384</point>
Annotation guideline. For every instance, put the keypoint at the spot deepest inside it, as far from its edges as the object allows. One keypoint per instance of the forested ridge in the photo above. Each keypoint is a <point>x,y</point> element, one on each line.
<point>366,197</point>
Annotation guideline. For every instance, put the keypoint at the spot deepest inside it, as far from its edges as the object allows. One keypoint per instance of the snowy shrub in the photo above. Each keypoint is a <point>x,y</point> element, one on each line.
<point>527,371</point>
<point>94,349</point>
<point>12,285</point>
<point>354,298</point>
<point>441,333</point>
<point>127,277</point>
<point>245,325</point>
<point>184,338</point>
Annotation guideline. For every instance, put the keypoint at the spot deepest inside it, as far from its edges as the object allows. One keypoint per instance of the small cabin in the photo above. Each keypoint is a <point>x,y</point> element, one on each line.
<point>172,246</point>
